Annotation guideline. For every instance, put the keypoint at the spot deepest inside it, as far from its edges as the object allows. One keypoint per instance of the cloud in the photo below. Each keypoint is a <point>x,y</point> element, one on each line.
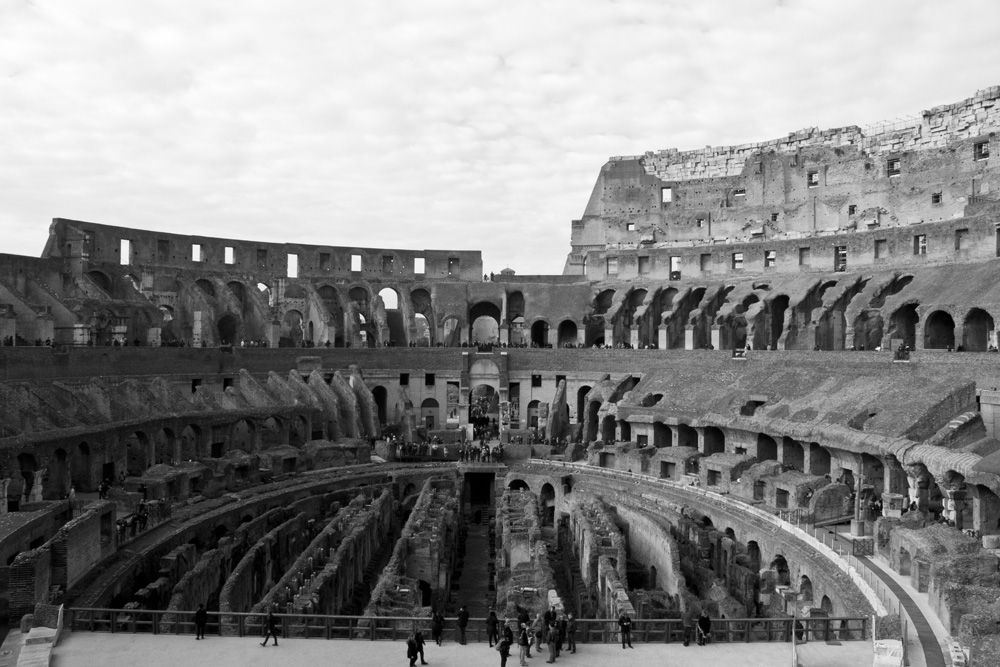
<point>440,124</point>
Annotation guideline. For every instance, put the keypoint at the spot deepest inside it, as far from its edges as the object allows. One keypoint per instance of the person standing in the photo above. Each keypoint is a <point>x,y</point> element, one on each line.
<point>418,637</point>
<point>271,625</point>
<point>687,622</point>
<point>625,624</point>
<point>571,634</point>
<point>437,627</point>
<point>704,627</point>
<point>507,633</point>
<point>463,621</point>
<point>504,647</point>
<point>492,628</point>
<point>552,647</point>
<point>523,643</point>
<point>200,620</point>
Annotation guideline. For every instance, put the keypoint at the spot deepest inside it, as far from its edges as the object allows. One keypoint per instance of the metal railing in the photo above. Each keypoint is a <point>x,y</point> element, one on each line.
<point>398,628</point>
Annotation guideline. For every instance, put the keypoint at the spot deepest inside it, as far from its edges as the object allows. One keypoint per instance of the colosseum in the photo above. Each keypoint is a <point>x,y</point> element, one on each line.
<point>765,386</point>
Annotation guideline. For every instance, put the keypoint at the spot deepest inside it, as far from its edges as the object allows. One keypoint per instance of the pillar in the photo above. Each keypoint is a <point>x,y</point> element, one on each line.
<point>581,336</point>
<point>633,336</point>
<point>954,502</point>
<point>505,334</point>
<point>609,336</point>
<point>688,337</point>
<point>553,336</point>
<point>661,337</point>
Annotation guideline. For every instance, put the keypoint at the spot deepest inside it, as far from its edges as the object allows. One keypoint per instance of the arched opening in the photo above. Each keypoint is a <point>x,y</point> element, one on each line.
<point>792,454</point>
<point>242,438</point>
<point>421,331</point>
<point>532,413</point>
<point>767,448</point>
<point>977,331</point>
<point>292,330</point>
<point>548,504</point>
<point>625,429</point>
<point>652,578</point>
<point>390,298</point>
<point>598,322</point>
<point>753,553</point>
<point>819,460</point>
<point>334,314</point>
<point>136,453</point>
<point>190,443</point>
<point>430,413</point>
<point>381,396</point>
<point>687,436</point>
<point>206,286</point>
<point>228,327</point>
<point>904,562</point>
<point>903,324</point>
<point>581,403</point>
<point>58,482</point>
<point>163,446</point>
<point>485,319</point>
<point>567,333</point>
<point>451,332</point>
<point>298,431</point>
<point>28,466</point>
<point>826,605</point>
<point>592,420</point>
<point>80,472</point>
<point>426,593</point>
<point>101,279</point>
<point>540,333</point>
<point>780,567</point>
<point>939,333</point>
<point>715,441</point>
<point>662,437</point>
<point>608,429</point>
<point>805,589</point>
<point>868,330</point>
<point>484,407</point>
<point>272,433</point>
<point>518,485</point>
<point>777,321</point>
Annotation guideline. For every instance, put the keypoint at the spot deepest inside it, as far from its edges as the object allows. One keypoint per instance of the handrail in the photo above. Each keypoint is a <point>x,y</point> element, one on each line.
<point>372,628</point>
<point>870,594</point>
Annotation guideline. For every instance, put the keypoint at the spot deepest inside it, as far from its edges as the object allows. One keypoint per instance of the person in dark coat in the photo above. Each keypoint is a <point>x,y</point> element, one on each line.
<point>504,647</point>
<point>704,627</point>
<point>507,633</point>
<point>625,625</point>
<point>411,650</point>
<point>571,634</point>
<point>437,627</point>
<point>271,625</point>
<point>687,622</point>
<point>418,637</point>
<point>463,622</point>
<point>492,628</point>
<point>200,620</point>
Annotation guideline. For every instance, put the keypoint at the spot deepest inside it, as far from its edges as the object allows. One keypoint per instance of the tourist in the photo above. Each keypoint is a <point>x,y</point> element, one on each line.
<point>571,634</point>
<point>200,620</point>
<point>687,623</point>
<point>704,628</point>
<point>463,621</point>
<point>524,643</point>
<point>508,634</point>
<point>411,650</point>
<point>271,627</point>
<point>503,646</point>
<point>418,637</point>
<point>551,644</point>
<point>437,627</point>
<point>625,623</point>
<point>492,628</point>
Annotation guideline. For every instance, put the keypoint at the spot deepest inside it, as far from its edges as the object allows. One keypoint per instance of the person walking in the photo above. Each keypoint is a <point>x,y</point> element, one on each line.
<point>492,628</point>
<point>625,624</point>
<point>571,634</point>
<point>411,650</point>
<point>704,627</point>
<point>523,643</point>
<point>200,620</point>
<point>437,627</point>
<point>418,637</point>
<point>687,623</point>
<point>463,621</point>
<point>271,625</point>
<point>503,646</point>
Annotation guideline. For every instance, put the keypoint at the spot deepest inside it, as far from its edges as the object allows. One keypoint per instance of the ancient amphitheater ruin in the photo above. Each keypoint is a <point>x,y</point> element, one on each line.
<point>765,382</point>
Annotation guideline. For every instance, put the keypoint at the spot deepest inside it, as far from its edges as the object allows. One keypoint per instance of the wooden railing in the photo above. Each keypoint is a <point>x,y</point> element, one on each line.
<point>398,628</point>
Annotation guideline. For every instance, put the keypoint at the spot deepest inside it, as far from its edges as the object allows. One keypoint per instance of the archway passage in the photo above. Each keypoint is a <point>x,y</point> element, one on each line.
<point>767,448</point>
<point>80,473</point>
<point>228,325</point>
<point>485,322</point>
<point>540,333</point>
<point>978,331</point>
<point>291,329</point>
<point>715,441</point>
<point>381,396</point>
<point>939,333</point>
<point>581,403</point>
<point>136,453</point>
<point>903,324</point>
<point>547,502</point>
<point>518,485</point>
<point>484,406</point>
<point>780,567</point>
<point>567,333</point>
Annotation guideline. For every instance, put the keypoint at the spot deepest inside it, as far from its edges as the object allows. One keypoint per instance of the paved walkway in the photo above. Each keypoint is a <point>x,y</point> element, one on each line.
<point>83,649</point>
<point>929,632</point>
<point>473,586</point>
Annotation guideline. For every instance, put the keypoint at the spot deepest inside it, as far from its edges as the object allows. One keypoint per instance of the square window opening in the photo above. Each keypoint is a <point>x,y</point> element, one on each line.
<point>936,198</point>
<point>429,380</point>
<point>881,248</point>
<point>774,217</point>
<point>804,256</point>
<point>740,192</point>
<point>126,252</point>
<point>404,379</point>
<point>355,262</point>
<point>629,226</point>
<point>643,265</point>
<point>666,195</point>
<point>892,167</point>
<point>262,258</point>
<point>388,263</point>
<point>840,258</point>
<point>705,261</point>
<point>324,261</point>
<point>229,255</point>
<point>770,258</point>
<point>418,265</point>
<point>612,265</point>
<point>920,244</point>
<point>981,150</point>
<point>293,265</point>
<point>536,380</point>
<point>195,252</point>
<point>737,260</point>
<point>812,179</point>
<point>960,239</point>
<point>852,209</point>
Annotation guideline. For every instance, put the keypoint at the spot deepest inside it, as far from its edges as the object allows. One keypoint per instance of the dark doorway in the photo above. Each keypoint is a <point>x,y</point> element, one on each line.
<point>479,489</point>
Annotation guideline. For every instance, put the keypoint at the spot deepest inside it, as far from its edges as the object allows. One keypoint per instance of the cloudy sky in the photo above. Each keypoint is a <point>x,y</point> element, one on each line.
<point>429,123</point>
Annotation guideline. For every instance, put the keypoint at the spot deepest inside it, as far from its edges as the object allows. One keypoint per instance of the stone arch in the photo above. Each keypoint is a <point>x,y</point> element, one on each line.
<point>715,441</point>
<point>334,313</point>
<point>629,315</point>
<point>547,504</point>
<point>567,333</point>
<point>805,589</point>
<point>591,426</point>
<point>381,396</point>
<point>625,429</point>
<point>422,331</point>
<point>819,460</point>
<point>228,327</point>
<point>826,604</point>
<point>977,331</point>
<point>939,331</point>
<point>57,484</point>
<point>581,403</point>
<point>778,306</point>
<point>792,454</point>
<point>662,437</point>
<point>753,553</point>
<point>390,298</point>
<point>206,286</point>
<point>243,437</point>
<point>423,309</point>
<point>298,431</point>
<point>597,323</point>
<point>451,332</point>
<point>608,428</point>
<point>539,333</point>
<point>484,322</point>
<point>687,436</point>
<point>518,485</point>
<point>191,443</point>
<point>28,466</point>
<point>272,432</point>
<point>163,446</point>
<point>430,413</point>
<point>869,329</point>
<point>137,453</point>
<point>782,575</point>
<point>292,332</point>
<point>903,324</point>
<point>102,280</point>
<point>80,473</point>
<point>767,448</point>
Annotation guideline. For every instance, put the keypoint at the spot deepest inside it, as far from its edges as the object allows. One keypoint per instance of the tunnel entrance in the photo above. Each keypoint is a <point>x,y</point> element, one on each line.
<point>479,493</point>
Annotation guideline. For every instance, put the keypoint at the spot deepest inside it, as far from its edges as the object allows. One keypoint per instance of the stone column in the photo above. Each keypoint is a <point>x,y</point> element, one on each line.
<point>609,336</point>
<point>716,337</point>
<point>954,502</point>
<point>633,336</point>
<point>505,334</point>
<point>688,337</point>
<point>661,337</point>
<point>581,336</point>
<point>553,334</point>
